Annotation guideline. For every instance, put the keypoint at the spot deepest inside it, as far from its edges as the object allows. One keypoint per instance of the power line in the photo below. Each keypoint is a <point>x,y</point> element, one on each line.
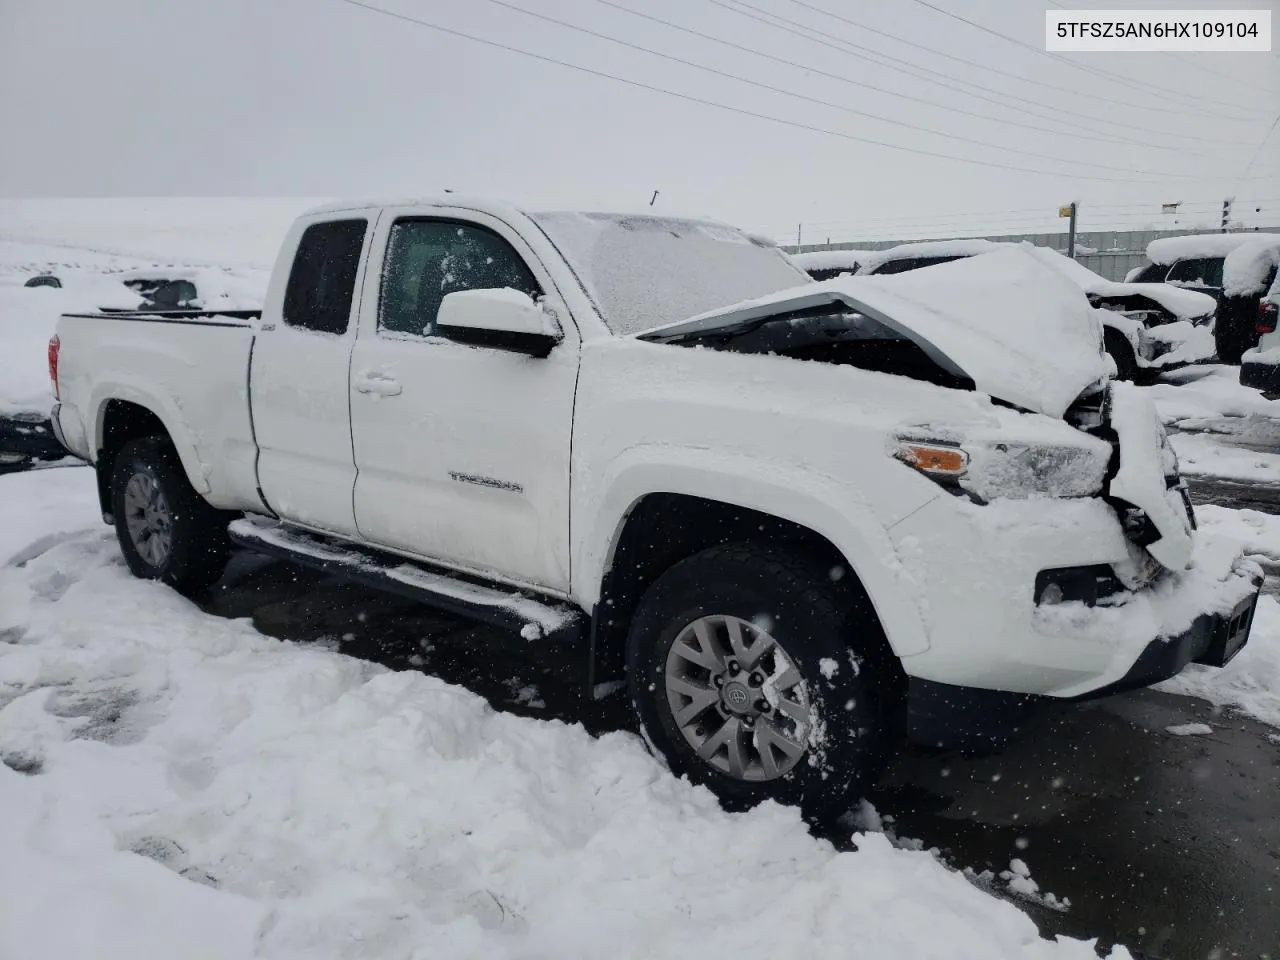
<point>1043,212</point>
<point>987,67</point>
<point>1262,143</point>
<point>808,68</point>
<point>948,81</point>
<point>795,124</point>
<point>1116,77</point>
<point>772,88</point>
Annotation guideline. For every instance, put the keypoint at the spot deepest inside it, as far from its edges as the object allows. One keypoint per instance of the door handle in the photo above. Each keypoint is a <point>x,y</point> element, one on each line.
<point>378,384</point>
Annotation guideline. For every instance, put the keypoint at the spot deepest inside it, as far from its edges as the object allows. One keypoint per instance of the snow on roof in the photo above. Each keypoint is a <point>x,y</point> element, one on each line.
<point>930,248</point>
<point>831,259</point>
<point>1169,249</point>
<point>1184,304</point>
<point>1249,268</point>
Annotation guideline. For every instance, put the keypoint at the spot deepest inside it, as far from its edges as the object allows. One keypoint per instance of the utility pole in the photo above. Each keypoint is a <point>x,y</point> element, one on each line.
<point>1071,212</point>
<point>799,233</point>
<point>653,198</point>
<point>1226,212</point>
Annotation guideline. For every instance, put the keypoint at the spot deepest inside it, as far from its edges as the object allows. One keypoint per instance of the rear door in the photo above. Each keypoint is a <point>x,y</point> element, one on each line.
<point>298,377</point>
<point>463,450</point>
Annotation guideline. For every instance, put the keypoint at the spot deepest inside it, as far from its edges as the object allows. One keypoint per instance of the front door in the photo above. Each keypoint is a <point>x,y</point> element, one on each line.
<point>298,380</point>
<point>462,451</point>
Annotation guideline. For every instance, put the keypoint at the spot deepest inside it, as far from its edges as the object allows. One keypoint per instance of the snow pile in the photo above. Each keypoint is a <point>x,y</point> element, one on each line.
<point>831,259</point>
<point>1206,455</point>
<point>1166,250</point>
<point>927,248</point>
<point>1257,533</point>
<point>1189,730</point>
<point>192,789</point>
<point>1250,269</point>
<point>1188,398</point>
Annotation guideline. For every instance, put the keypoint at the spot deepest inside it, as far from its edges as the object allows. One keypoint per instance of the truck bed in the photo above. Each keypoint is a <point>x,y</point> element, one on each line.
<point>177,364</point>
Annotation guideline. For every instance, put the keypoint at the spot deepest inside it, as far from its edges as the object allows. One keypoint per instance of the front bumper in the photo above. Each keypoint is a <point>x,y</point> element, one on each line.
<point>1213,639</point>
<point>974,570</point>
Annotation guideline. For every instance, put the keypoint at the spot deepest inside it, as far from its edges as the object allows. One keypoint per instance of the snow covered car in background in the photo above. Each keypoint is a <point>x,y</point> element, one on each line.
<point>925,253</point>
<point>1148,328</point>
<point>29,312</point>
<point>770,509</point>
<point>1260,367</point>
<point>1198,262</point>
<point>829,264</point>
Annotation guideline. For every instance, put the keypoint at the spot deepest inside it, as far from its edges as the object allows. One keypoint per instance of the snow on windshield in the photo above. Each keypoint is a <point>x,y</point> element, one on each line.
<point>644,272</point>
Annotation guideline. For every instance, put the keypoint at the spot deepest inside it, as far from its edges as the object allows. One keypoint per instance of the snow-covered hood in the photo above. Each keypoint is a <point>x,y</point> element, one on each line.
<point>1183,304</point>
<point>1017,328</point>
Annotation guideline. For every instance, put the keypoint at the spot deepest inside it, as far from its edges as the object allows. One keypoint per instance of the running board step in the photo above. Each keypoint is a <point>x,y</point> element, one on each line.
<point>502,607</point>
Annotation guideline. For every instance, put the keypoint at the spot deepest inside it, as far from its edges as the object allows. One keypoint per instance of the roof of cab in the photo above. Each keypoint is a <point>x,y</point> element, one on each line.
<point>497,208</point>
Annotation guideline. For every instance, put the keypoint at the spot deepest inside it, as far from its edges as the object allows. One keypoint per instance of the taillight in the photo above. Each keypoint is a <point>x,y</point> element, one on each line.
<point>54,346</point>
<point>1267,315</point>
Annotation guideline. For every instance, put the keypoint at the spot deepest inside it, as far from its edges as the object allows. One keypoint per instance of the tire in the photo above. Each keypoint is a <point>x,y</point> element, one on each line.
<point>853,687</point>
<point>1122,353</point>
<point>195,552</point>
<point>1228,343</point>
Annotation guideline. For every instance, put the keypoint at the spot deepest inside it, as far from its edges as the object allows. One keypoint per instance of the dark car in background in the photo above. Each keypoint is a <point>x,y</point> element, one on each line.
<point>1212,263</point>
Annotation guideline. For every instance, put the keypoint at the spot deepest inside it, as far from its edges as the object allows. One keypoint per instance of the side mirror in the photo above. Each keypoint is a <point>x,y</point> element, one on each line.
<point>505,319</point>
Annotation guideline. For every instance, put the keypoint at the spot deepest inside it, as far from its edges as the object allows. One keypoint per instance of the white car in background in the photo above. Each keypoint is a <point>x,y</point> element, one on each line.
<point>1148,328</point>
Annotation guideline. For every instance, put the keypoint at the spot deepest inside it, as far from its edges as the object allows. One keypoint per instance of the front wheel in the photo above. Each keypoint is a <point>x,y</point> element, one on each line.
<point>166,530</point>
<point>762,678</point>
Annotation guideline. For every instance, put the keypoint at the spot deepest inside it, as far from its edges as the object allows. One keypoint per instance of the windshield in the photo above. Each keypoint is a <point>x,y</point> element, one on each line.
<point>645,272</point>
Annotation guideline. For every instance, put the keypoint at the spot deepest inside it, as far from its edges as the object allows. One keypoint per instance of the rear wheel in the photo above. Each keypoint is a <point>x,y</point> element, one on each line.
<point>166,530</point>
<point>753,673</point>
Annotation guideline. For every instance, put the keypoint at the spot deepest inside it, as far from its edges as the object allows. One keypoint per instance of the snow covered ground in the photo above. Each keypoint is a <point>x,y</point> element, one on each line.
<point>91,279</point>
<point>178,785</point>
<point>175,784</point>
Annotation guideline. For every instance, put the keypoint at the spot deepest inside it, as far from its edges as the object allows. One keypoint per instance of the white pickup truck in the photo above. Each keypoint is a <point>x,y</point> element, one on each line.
<point>764,503</point>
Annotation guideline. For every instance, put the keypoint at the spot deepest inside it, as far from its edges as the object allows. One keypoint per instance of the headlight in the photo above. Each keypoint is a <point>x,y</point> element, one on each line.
<point>991,469</point>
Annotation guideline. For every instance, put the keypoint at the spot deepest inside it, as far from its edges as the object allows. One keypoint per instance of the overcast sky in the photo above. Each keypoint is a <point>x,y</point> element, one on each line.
<point>325,98</point>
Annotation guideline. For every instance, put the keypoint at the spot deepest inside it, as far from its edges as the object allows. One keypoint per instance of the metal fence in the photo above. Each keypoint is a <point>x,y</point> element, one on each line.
<point>1111,253</point>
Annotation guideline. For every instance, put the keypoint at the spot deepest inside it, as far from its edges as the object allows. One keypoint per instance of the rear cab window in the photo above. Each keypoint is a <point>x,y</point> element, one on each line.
<point>322,281</point>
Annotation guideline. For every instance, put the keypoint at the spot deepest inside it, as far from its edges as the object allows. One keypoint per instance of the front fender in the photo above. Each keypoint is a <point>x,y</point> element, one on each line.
<point>819,502</point>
